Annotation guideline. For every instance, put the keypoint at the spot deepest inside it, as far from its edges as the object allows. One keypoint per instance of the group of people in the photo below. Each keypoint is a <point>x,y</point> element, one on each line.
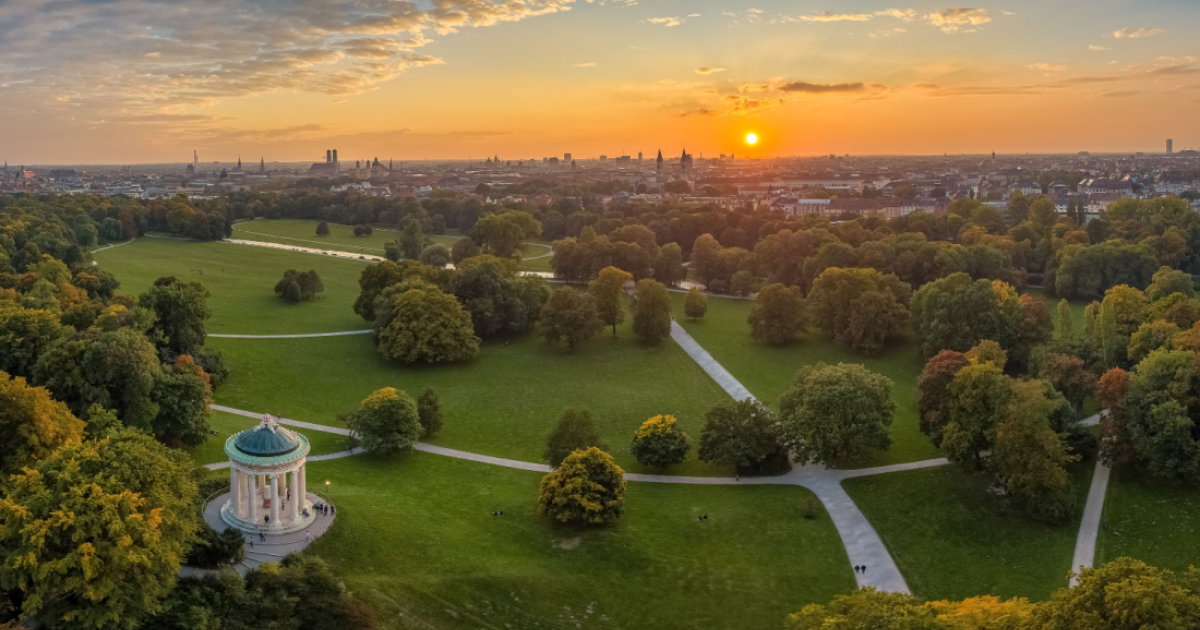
<point>862,569</point>
<point>702,518</point>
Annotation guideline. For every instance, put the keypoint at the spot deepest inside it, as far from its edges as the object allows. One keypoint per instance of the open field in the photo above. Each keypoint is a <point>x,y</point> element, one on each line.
<point>767,371</point>
<point>503,403</point>
<point>1152,519</point>
<point>952,538</point>
<point>415,537</point>
<point>226,424</point>
<point>303,233</point>
<point>242,281</point>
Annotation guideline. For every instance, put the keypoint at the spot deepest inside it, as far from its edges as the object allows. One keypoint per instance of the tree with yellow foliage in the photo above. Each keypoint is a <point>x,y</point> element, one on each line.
<point>32,425</point>
<point>588,488</point>
<point>659,443</point>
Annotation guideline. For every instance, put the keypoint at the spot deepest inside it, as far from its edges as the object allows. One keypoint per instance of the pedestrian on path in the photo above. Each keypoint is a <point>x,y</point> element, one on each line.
<point>864,569</point>
<point>856,569</point>
<point>262,537</point>
<point>307,537</point>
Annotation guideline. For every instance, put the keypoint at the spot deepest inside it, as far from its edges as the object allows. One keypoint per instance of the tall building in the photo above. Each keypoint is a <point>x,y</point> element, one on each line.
<point>1170,146</point>
<point>567,157</point>
<point>660,160</point>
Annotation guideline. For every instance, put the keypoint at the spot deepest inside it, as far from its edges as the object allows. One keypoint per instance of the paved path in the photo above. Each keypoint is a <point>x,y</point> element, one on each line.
<point>96,251</point>
<point>709,364</point>
<point>1089,525</point>
<point>307,250</point>
<point>308,336</point>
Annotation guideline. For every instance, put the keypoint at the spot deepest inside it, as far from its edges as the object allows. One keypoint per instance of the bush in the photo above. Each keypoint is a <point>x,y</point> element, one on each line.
<point>322,229</point>
<point>587,489</point>
<point>695,304</point>
<point>810,508</point>
<point>659,443</point>
<point>429,409</point>
<point>387,422</point>
<point>574,431</point>
<point>213,549</point>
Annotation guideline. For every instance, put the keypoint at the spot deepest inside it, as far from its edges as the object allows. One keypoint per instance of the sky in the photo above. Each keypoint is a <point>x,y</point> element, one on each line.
<point>141,81</point>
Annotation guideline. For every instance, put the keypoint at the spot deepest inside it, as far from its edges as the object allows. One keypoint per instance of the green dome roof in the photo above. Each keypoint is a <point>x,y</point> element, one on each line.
<point>267,440</point>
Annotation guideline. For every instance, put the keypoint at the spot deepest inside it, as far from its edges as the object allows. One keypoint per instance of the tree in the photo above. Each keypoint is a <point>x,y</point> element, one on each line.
<point>956,313</point>
<point>1167,281</point>
<point>1149,337</point>
<point>574,431</point>
<point>1069,376</point>
<point>1031,457</point>
<point>988,351</point>
<point>778,315</point>
<point>979,394</point>
<point>861,308</point>
<point>387,422</point>
<point>570,316</point>
<point>608,293</point>
<point>1118,317</point>
<point>24,335</point>
<point>835,414</point>
<point>184,397</point>
<point>1163,394</point>
<point>435,255</point>
<point>668,265</point>
<point>497,298</point>
<point>651,311</point>
<point>695,303</point>
<point>1116,445</point>
<point>501,235</point>
<point>32,425</point>
<point>588,488</point>
<point>934,389</point>
<point>867,608</point>
<point>117,370</point>
<point>1123,594</point>
<point>705,253</point>
<point>426,326</point>
<point>463,249</point>
<point>744,434</point>
<point>1066,321</point>
<point>181,308</point>
<point>322,229</point>
<point>429,410</point>
<point>94,534</point>
<point>308,285</point>
<point>658,443</point>
<point>292,294</point>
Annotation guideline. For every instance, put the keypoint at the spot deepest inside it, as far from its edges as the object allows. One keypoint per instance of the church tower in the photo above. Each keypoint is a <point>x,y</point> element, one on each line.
<point>660,160</point>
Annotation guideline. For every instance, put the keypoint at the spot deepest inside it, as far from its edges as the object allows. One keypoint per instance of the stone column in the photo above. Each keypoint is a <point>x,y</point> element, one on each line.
<point>274,500</point>
<point>252,483</point>
<point>294,504</point>
<point>303,485</point>
<point>235,482</point>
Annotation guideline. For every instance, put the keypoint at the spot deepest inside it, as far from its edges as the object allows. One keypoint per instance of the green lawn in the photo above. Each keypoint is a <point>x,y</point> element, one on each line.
<point>1151,519</point>
<point>226,424</point>
<point>502,403</point>
<point>767,371</point>
<point>242,281</point>
<point>1077,307</point>
<point>952,538</point>
<point>415,537</point>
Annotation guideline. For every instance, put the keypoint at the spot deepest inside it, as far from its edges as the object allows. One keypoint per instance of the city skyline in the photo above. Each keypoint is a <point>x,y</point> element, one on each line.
<point>460,79</point>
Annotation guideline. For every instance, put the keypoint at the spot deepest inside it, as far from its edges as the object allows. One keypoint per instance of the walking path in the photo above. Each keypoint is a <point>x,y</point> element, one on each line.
<point>709,364</point>
<point>1089,525</point>
<point>308,336</point>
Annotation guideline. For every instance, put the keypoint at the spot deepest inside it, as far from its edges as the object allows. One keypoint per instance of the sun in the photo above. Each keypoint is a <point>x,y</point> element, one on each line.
<point>751,139</point>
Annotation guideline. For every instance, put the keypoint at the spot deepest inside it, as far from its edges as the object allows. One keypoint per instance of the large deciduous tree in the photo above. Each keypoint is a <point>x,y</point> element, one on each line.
<point>778,315</point>
<point>934,390</point>
<point>659,443</point>
<point>32,425</point>
<point>836,414</point>
<point>704,259</point>
<point>502,234</point>
<point>424,325</point>
<point>979,394</point>
<point>1031,457</point>
<point>1069,376</point>
<point>181,308</point>
<point>651,311</point>
<point>608,291</point>
<point>387,422</point>
<point>498,300</point>
<point>1168,281</point>
<point>861,308</point>
<point>24,335</point>
<point>117,370</point>
<point>94,534</point>
<point>695,304</point>
<point>184,396</point>
<point>570,316</point>
<point>587,488</point>
<point>744,434</point>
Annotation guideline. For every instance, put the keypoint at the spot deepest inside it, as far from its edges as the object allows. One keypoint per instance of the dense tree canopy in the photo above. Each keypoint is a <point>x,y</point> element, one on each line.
<point>32,425</point>
<point>387,422</point>
<point>570,316</point>
<point>587,488</point>
<point>744,434</point>
<point>181,308</point>
<point>836,414</point>
<point>424,325</point>
<point>861,308</point>
<point>778,315</point>
<point>659,443</point>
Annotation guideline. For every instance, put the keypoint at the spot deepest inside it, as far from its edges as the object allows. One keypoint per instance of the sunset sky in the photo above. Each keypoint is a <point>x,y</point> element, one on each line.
<point>135,81</point>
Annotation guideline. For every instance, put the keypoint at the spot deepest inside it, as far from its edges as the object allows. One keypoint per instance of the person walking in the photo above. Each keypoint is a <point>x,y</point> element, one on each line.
<point>856,569</point>
<point>864,569</point>
<point>307,537</point>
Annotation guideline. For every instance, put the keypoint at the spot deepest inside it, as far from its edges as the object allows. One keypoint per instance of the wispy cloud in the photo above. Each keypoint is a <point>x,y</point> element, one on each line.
<point>820,88</point>
<point>1095,47</point>
<point>665,21</point>
<point>707,70</point>
<point>959,19</point>
<point>906,15</point>
<point>590,64</point>
<point>1135,33</point>
<point>1049,69</point>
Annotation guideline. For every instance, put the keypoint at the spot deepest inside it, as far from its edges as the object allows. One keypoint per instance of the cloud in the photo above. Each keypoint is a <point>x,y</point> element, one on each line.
<point>665,21</point>
<point>1135,33</point>
<point>590,64</point>
<point>1047,68</point>
<point>130,59</point>
<point>820,88</point>
<point>707,70</point>
<point>906,15</point>
<point>954,20</point>
<point>1095,47</point>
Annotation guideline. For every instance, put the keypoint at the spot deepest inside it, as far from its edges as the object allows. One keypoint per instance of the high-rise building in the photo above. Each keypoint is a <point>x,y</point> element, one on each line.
<point>567,157</point>
<point>1170,146</point>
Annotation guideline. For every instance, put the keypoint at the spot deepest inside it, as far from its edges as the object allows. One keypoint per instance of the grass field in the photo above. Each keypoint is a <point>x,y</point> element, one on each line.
<point>1077,307</point>
<point>415,537</point>
<point>242,281</point>
<point>341,238</point>
<point>226,424</point>
<point>503,403</point>
<point>1151,519</point>
<point>952,538</point>
<point>767,371</point>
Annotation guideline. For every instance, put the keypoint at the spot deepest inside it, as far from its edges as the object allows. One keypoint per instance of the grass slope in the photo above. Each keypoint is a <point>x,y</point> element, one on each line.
<point>952,538</point>
<point>415,537</point>
<point>503,403</point>
<point>767,371</point>
<point>242,281</point>
<point>226,424</point>
<point>1151,519</point>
